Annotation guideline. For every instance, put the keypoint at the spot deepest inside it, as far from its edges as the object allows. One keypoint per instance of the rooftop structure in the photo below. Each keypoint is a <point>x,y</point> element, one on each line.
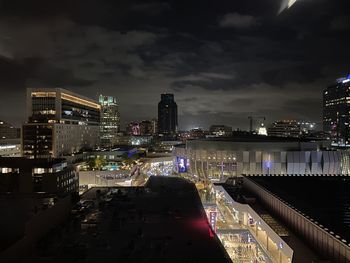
<point>22,175</point>
<point>161,222</point>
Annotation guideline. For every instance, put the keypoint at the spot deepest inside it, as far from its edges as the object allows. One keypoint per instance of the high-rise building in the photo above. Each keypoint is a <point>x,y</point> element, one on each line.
<point>7,131</point>
<point>60,123</point>
<point>284,128</point>
<point>167,115</point>
<point>336,117</point>
<point>110,120</point>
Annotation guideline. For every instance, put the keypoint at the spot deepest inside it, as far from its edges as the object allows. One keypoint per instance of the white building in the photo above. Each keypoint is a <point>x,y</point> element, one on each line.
<point>60,123</point>
<point>219,159</point>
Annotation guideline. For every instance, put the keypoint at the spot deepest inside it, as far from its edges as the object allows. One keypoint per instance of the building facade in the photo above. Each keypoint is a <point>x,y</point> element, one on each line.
<point>7,131</point>
<point>146,127</point>
<point>10,148</point>
<point>22,175</point>
<point>110,120</point>
<point>336,116</point>
<point>60,123</point>
<point>285,128</point>
<point>220,159</point>
<point>220,130</point>
<point>167,115</point>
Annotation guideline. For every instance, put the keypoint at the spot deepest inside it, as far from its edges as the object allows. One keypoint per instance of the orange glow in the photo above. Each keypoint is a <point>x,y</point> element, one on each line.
<point>80,101</point>
<point>42,94</point>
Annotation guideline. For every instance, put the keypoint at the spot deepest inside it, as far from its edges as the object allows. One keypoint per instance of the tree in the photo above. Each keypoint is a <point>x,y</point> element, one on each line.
<point>97,163</point>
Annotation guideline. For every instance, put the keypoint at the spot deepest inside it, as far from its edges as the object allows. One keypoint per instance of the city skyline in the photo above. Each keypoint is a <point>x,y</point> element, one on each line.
<point>221,63</point>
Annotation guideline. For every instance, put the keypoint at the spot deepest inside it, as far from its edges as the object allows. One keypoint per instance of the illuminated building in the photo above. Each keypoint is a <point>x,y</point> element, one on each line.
<point>220,130</point>
<point>22,175</point>
<point>219,159</point>
<point>154,126</point>
<point>285,128</point>
<point>262,130</point>
<point>167,115</point>
<point>7,131</point>
<point>134,128</point>
<point>110,120</point>
<point>336,117</point>
<point>60,123</point>
<point>197,133</point>
<point>10,148</point>
<point>307,127</point>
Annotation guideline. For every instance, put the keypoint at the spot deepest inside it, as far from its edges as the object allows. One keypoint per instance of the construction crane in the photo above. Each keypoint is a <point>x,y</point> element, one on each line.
<point>251,119</point>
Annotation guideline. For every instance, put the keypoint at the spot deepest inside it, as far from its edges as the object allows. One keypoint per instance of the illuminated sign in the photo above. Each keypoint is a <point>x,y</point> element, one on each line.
<point>212,219</point>
<point>182,164</point>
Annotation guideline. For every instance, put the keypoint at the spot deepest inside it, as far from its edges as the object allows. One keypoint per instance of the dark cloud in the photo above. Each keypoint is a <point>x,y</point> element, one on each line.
<point>238,21</point>
<point>222,60</point>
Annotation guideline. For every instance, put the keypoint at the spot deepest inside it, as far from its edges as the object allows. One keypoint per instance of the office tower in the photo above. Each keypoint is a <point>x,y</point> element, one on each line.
<point>167,115</point>
<point>7,131</point>
<point>60,123</point>
<point>110,120</point>
<point>284,128</point>
<point>336,117</point>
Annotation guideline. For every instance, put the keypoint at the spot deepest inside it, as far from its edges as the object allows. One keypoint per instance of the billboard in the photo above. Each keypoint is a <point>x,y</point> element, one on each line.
<point>182,164</point>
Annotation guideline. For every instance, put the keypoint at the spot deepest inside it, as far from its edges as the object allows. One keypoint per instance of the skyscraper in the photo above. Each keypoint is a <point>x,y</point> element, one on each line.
<point>60,123</point>
<point>167,115</point>
<point>110,120</point>
<point>336,117</point>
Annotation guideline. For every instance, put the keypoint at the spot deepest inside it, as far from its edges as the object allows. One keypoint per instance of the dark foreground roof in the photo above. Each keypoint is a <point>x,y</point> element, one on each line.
<point>161,222</point>
<point>324,199</point>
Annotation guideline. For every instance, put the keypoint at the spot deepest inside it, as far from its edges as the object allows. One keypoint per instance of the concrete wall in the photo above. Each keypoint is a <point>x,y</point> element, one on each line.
<point>323,241</point>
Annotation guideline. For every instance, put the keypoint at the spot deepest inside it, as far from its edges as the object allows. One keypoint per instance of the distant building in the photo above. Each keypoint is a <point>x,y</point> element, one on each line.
<point>167,115</point>
<point>22,175</point>
<point>60,123</point>
<point>197,133</point>
<point>134,128</point>
<point>218,159</point>
<point>10,148</point>
<point>110,120</point>
<point>7,131</point>
<point>285,128</point>
<point>336,116</point>
<point>154,126</point>
<point>146,127</point>
<point>307,127</point>
<point>220,130</point>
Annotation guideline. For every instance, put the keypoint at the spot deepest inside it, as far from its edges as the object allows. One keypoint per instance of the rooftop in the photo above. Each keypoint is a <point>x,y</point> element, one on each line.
<point>326,200</point>
<point>15,162</point>
<point>161,222</point>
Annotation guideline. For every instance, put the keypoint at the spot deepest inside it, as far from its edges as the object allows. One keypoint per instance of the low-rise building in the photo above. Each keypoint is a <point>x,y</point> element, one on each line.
<point>22,175</point>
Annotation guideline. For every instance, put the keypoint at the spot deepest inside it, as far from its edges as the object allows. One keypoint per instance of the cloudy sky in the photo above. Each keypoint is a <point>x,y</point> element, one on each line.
<point>221,59</point>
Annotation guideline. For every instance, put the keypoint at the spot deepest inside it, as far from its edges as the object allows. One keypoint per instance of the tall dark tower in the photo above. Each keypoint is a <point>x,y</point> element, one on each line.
<point>167,115</point>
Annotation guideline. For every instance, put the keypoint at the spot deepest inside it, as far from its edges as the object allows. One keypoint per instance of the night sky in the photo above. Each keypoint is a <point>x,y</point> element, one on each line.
<point>221,59</point>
